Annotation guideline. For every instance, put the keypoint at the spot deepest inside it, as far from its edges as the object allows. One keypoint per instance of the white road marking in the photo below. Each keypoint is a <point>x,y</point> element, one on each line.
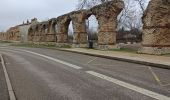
<point>130,86</point>
<point>92,60</point>
<point>53,59</point>
<point>9,86</point>
<point>155,76</point>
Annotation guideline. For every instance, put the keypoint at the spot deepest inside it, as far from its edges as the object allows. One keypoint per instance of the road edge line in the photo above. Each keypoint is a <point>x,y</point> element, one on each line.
<point>8,82</point>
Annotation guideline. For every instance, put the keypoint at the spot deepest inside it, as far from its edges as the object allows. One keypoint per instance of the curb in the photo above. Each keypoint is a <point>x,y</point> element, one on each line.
<point>9,86</point>
<point>123,59</point>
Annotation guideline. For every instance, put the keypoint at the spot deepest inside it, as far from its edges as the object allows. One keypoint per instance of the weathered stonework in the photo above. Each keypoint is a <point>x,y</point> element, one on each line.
<point>79,27</point>
<point>156,32</point>
<point>13,34</point>
<point>32,31</point>
<point>106,15</point>
<point>3,36</point>
<point>62,28</point>
<point>51,33</point>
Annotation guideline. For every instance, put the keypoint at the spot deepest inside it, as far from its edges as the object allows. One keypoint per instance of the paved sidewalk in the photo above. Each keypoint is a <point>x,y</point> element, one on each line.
<point>3,87</point>
<point>152,60</point>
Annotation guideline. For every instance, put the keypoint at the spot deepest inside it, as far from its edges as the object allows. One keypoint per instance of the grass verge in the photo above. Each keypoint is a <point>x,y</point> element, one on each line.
<point>38,45</point>
<point>125,50</point>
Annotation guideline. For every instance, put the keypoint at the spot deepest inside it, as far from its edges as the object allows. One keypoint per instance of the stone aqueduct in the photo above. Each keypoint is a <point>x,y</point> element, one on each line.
<point>156,29</point>
<point>106,14</point>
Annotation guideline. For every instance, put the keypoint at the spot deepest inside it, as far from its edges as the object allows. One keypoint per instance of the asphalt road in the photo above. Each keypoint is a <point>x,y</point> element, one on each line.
<point>3,87</point>
<point>44,74</point>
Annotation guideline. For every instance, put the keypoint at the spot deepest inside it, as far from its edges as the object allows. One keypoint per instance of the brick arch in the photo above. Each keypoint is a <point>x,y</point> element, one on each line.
<point>51,30</point>
<point>79,27</point>
<point>106,14</point>
<point>44,27</point>
<point>62,28</point>
<point>37,33</point>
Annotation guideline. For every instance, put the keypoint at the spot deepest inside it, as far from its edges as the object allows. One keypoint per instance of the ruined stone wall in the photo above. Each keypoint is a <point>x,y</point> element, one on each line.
<point>51,31</point>
<point>156,32</point>
<point>13,34</point>
<point>3,36</point>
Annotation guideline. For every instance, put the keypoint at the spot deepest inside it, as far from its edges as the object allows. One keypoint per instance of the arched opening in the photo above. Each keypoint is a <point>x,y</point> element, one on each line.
<point>44,28</point>
<point>70,32</point>
<point>51,31</point>
<point>92,29</point>
<point>43,34</point>
<point>53,26</point>
<point>30,34</point>
<point>36,34</point>
<point>129,30</point>
<point>54,32</point>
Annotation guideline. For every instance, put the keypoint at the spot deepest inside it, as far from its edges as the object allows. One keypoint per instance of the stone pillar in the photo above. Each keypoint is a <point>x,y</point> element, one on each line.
<point>156,30</point>
<point>50,36</point>
<point>43,34</point>
<point>62,29</point>
<point>106,15</point>
<point>79,28</point>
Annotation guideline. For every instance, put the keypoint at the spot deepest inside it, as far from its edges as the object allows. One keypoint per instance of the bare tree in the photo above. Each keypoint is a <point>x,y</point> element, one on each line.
<point>89,3</point>
<point>141,4</point>
<point>127,17</point>
<point>130,16</point>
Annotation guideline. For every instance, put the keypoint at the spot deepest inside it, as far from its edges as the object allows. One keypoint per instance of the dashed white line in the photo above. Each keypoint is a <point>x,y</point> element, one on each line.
<point>130,86</point>
<point>53,59</point>
<point>9,86</point>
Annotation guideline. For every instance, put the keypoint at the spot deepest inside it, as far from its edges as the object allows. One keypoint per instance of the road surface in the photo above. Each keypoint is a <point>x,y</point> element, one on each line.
<point>45,74</point>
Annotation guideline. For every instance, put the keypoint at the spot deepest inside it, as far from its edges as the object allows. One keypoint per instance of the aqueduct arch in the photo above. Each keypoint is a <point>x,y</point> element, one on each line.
<point>79,26</point>
<point>62,28</point>
<point>44,27</point>
<point>156,32</point>
<point>51,35</point>
<point>37,33</point>
<point>30,34</point>
<point>106,15</point>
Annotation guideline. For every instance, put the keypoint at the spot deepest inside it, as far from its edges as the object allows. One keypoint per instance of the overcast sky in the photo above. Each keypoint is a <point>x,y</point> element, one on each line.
<point>13,12</point>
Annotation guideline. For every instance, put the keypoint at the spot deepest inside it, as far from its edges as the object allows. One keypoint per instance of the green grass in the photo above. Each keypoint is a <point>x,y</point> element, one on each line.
<point>46,45</point>
<point>5,42</point>
<point>168,55</point>
<point>125,50</point>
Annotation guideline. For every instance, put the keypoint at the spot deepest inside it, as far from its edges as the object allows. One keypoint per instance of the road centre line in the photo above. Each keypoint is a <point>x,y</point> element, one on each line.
<point>130,86</point>
<point>53,59</point>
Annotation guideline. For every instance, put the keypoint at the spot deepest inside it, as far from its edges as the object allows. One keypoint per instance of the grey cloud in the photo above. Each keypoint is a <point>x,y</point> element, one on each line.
<point>13,12</point>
